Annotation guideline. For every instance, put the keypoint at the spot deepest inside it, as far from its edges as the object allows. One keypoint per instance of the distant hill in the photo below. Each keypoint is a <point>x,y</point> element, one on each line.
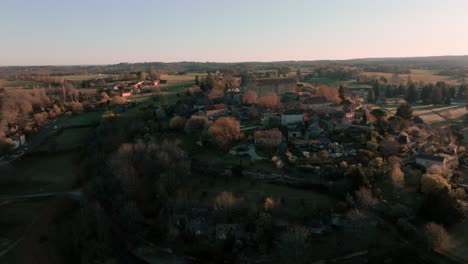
<point>434,62</point>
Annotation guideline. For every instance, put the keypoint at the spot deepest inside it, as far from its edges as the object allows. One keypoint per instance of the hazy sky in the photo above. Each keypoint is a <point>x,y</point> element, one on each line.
<point>45,32</point>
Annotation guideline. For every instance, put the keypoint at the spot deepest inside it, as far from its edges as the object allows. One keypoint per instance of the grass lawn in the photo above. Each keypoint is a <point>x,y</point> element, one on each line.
<point>68,139</point>
<point>184,78</point>
<point>81,119</point>
<point>206,188</point>
<point>42,173</point>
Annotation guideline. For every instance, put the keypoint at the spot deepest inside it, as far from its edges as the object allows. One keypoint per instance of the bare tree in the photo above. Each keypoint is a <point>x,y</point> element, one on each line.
<point>437,238</point>
<point>365,199</point>
<point>269,138</point>
<point>225,130</point>
<point>117,100</point>
<point>177,122</point>
<point>215,93</point>
<point>330,93</point>
<point>293,246</point>
<point>389,146</point>
<point>397,177</point>
<point>249,97</point>
<point>149,170</point>
<point>76,107</point>
<point>269,101</point>
<point>196,124</point>
<point>431,183</point>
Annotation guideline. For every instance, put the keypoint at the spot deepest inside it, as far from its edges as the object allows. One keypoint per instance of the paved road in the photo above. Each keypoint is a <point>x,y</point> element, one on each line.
<point>34,142</point>
<point>75,195</point>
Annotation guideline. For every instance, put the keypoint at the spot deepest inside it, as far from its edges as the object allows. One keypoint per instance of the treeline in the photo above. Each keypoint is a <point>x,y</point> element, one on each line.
<point>398,69</point>
<point>439,93</point>
<point>336,72</point>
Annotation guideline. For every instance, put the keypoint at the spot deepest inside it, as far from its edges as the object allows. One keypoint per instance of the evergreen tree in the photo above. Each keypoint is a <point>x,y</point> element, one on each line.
<point>209,82</point>
<point>401,89</point>
<point>446,95</point>
<point>371,96</point>
<point>376,88</point>
<point>342,91</point>
<point>197,80</point>
<point>462,90</point>
<point>436,96</point>
<point>426,94</point>
<point>298,75</point>
<point>412,94</point>
<point>405,111</point>
<point>452,92</point>
<point>388,92</point>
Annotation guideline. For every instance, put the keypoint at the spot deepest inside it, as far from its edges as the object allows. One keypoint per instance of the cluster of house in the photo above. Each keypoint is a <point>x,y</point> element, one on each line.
<point>16,137</point>
<point>131,88</point>
<point>316,128</point>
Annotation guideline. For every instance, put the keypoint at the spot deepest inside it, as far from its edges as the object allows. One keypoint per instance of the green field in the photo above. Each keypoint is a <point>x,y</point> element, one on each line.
<point>426,76</point>
<point>42,173</point>
<point>85,77</point>
<point>81,119</point>
<point>14,84</point>
<point>206,188</point>
<point>66,140</point>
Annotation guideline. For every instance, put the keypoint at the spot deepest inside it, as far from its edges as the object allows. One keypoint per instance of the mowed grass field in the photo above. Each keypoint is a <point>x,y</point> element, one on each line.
<point>427,76</point>
<point>434,114</point>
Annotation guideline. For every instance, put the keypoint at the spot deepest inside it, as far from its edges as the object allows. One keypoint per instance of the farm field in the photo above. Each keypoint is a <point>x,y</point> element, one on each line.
<point>84,77</point>
<point>427,76</point>
<point>66,140</point>
<point>15,84</point>
<point>432,114</point>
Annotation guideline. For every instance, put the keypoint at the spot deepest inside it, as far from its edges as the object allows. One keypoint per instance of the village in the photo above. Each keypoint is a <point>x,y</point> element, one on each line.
<point>318,161</point>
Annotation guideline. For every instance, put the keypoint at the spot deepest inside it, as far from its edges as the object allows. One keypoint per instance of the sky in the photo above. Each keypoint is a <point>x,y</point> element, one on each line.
<point>71,32</point>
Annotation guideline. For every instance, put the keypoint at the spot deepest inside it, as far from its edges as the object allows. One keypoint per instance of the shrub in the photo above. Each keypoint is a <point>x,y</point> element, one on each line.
<point>177,122</point>
<point>437,238</point>
<point>365,199</point>
<point>293,246</point>
<point>76,107</point>
<point>431,183</point>
<point>441,171</point>
<point>117,100</point>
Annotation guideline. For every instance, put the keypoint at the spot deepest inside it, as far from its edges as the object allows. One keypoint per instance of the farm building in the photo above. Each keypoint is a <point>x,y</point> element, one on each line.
<point>428,161</point>
<point>292,116</point>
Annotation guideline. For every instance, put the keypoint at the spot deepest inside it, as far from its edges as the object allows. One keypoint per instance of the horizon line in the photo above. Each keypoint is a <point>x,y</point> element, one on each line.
<point>232,62</point>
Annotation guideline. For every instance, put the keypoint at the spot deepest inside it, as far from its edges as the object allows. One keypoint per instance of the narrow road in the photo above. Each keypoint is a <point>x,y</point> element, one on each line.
<point>75,195</point>
<point>30,144</point>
